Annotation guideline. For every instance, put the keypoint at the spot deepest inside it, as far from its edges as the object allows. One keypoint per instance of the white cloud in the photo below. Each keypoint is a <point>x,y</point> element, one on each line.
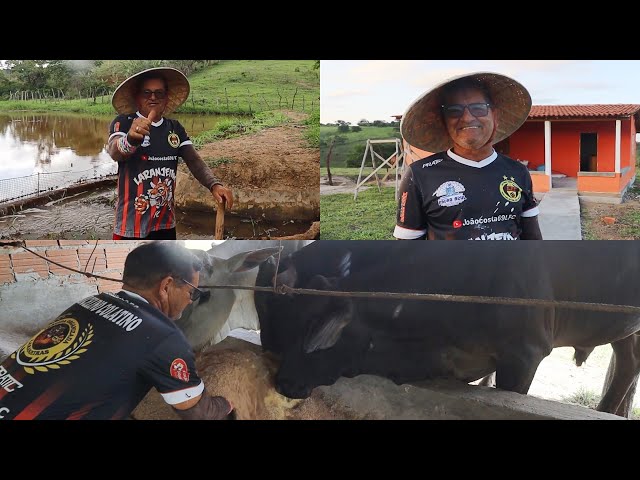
<point>346,93</point>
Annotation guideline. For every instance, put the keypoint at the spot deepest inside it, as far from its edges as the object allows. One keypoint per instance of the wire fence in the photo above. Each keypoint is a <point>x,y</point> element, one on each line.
<point>223,101</point>
<point>39,184</point>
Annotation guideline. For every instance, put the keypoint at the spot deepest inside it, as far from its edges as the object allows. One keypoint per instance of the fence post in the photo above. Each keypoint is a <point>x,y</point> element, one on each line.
<point>38,184</point>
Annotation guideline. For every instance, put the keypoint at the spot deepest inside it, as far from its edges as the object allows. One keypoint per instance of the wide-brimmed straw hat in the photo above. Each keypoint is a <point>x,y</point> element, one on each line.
<point>422,124</point>
<point>124,98</point>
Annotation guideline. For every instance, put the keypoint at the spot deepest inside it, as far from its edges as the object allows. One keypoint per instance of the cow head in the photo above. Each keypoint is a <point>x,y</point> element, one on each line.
<point>306,330</point>
<point>209,320</point>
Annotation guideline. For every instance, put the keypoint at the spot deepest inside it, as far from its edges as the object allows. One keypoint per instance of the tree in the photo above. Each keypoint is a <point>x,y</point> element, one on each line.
<point>364,122</point>
<point>343,126</point>
<point>355,128</point>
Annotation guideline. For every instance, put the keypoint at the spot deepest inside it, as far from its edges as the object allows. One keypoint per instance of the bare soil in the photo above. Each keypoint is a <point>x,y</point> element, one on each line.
<point>280,150</point>
<point>626,215</point>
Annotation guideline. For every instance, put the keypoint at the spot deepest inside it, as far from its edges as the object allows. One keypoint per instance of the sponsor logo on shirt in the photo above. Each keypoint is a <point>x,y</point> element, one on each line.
<point>179,370</point>
<point>55,346</point>
<point>450,194</point>
<point>155,172</point>
<point>510,189</point>
<point>116,127</point>
<point>481,220</point>
<point>3,410</point>
<point>174,140</point>
<point>432,163</point>
<point>495,236</point>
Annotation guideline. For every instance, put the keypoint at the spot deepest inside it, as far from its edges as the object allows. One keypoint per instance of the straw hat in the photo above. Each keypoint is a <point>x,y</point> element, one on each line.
<point>124,98</point>
<point>423,127</point>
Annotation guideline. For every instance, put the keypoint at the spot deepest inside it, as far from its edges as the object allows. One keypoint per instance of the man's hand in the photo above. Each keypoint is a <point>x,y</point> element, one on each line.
<point>221,193</point>
<point>140,127</point>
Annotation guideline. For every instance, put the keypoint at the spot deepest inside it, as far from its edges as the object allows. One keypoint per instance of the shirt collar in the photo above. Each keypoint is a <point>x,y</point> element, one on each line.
<point>472,163</point>
<point>135,295</point>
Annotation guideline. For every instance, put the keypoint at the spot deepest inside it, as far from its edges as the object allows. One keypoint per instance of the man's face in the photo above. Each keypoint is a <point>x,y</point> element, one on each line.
<point>181,296</point>
<point>149,97</point>
<point>468,131</point>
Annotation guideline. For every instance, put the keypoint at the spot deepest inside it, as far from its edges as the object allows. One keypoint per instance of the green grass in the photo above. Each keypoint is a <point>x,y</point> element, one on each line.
<point>590,399</point>
<point>341,152</point>
<point>251,86</point>
<point>233,128</point>
<point>352,173</point>
<point>312,134</point>
<point>371,217</point>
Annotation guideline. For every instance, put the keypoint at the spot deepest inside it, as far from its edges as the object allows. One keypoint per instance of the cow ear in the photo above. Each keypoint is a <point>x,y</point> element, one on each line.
<point>326,327</point>
<point>248,260</point>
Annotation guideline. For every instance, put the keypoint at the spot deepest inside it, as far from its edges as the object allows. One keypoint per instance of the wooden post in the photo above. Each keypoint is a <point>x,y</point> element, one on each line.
<point>329,160</point>
<point>219,233</point>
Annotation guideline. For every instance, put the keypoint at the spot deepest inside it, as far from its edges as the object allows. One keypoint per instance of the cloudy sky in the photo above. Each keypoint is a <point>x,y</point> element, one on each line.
<point>352,90</point>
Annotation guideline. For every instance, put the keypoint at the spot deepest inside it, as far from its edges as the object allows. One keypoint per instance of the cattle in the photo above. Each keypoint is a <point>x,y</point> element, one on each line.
<point>321,338</point>
<point>409,341</point>
<point>209,320</point>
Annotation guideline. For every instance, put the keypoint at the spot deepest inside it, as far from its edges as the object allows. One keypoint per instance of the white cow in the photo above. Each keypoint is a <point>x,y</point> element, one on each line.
<point>233,262</point>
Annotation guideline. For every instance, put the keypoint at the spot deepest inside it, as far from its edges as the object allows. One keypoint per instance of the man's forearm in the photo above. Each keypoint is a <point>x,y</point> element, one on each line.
<point>207,408</point>
<point>116,153</point>
<point>199,169</point>
<point>530,229</point>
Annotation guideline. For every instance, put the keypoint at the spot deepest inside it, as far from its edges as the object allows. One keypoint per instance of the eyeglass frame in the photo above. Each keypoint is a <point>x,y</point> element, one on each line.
<point>465,106</point>
<point>197,292</point>
<point>146,93</point>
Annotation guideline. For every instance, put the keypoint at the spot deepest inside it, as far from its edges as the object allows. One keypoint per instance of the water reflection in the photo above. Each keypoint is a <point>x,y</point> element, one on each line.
<point>44,143</point>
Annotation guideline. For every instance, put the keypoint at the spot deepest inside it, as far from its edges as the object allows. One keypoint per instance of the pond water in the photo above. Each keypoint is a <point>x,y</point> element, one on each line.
<point>63,147</point>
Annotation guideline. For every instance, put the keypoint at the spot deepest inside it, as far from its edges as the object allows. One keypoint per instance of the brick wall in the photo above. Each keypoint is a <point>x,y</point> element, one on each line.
<point>102,257</point>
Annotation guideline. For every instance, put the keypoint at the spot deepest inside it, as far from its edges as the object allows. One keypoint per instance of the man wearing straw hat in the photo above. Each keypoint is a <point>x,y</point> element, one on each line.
<point>146,144</point>
<point>467,191</point>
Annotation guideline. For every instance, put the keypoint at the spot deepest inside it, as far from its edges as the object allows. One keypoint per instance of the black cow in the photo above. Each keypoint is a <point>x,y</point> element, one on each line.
<point>322,338</point>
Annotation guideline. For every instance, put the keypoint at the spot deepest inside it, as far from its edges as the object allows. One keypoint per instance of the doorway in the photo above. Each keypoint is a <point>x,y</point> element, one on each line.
<point>588,152</point>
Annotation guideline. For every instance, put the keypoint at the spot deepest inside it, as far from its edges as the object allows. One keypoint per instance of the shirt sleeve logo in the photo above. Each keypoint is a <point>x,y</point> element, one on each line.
<point>450,193</point>
<point>510,189</point>
<point>174,140</point>
<point>179,370</point>
<point>58,344</point>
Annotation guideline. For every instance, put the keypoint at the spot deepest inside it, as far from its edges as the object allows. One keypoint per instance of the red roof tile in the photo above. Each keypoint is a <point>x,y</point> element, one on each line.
<point>582,111</point>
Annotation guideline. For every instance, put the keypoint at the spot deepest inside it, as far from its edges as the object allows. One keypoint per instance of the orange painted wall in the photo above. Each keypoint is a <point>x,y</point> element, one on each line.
<point>541,182</point>
<point>527,143</point>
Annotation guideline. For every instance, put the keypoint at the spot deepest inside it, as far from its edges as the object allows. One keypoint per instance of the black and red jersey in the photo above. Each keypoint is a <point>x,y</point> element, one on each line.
<point>98,360</point>
<point>447,197</point>
<point>147,179</point>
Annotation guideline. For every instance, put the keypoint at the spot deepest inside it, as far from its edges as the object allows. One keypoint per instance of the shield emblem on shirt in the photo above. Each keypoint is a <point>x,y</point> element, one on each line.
<point>174,140</point>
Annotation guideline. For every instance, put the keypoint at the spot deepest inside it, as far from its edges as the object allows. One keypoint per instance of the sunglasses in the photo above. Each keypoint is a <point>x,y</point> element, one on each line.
<point>160,94</point>
<point>457,110</point>
<point>196,293</point>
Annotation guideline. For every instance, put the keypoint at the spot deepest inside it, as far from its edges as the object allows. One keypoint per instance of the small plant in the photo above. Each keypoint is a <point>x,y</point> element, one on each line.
<point>584,397</point>
<point>216,162</point>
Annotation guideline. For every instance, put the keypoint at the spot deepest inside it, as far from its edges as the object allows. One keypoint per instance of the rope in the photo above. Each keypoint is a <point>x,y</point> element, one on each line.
<point>437,297</point>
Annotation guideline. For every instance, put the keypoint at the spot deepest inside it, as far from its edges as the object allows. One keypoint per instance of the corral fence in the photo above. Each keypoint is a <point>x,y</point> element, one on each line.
<point>38,184</point>
<point>221,102</point>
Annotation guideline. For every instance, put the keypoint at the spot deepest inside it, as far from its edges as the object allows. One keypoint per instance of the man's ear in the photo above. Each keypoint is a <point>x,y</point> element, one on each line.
<point>165,284</point>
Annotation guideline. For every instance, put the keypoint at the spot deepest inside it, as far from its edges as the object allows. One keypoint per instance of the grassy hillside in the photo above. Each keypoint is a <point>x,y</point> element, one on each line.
<point>251,86</point>
<point>343,149</point>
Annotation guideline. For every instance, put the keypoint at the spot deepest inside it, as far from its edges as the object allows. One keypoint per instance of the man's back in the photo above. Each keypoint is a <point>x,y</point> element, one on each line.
<point>96,361</point>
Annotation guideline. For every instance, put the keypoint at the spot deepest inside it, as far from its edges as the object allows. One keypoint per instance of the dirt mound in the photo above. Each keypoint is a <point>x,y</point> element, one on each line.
<point>273,174</point>
<point>241,372</point>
